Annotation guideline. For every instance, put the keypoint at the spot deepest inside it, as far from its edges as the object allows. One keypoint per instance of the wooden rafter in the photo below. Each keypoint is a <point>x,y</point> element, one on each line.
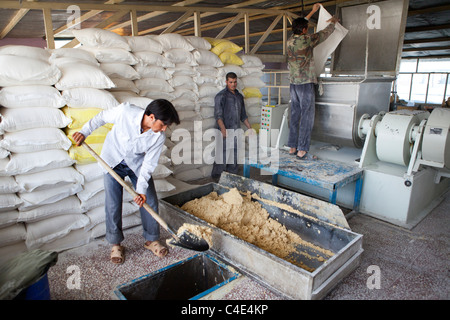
<point>266,34</point>
<point>155,13</point>
<point>14,21</point>
<point>178,22</point>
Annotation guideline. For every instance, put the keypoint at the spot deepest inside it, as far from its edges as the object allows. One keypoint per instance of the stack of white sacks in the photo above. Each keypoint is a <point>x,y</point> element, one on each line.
<point>38,181</point>
<point>51,192</point>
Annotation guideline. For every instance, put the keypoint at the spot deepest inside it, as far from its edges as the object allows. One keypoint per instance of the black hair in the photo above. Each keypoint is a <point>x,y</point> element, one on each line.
<point>163,110</point>
<point>298,25</point>
<point>231,75</point>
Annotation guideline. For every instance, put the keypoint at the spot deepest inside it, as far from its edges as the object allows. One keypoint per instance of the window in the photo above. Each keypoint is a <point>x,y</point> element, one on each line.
<point>423,80</point>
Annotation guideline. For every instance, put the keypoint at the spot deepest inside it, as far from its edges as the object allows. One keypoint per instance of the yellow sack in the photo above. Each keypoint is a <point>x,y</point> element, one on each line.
<point>230,58</point>
<point>82,156</point>
<point>223,45</point>
<point>80,116</point>
<point>252,93</point>
<point>97,136</point>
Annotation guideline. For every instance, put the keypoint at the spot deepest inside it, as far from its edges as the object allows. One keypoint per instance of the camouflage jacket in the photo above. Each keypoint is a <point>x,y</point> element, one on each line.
<point>300,55</point>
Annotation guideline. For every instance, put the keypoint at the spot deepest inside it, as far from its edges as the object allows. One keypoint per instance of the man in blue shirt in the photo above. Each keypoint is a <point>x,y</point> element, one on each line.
<point>229,111</point>
<point>132,148</point>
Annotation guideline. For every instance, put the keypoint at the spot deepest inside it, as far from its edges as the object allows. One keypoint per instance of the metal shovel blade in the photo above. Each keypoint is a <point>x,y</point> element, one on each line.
<point>187,240</point>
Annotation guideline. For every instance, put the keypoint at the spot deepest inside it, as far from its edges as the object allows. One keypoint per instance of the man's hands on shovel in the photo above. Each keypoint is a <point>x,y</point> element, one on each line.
<point>79,138</point>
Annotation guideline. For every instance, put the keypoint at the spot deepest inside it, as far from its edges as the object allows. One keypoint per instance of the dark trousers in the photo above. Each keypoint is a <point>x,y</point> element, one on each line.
<point>113,206</point>
<point>302,115</point>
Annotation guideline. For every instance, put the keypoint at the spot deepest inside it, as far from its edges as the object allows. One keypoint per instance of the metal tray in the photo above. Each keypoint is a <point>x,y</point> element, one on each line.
<point>315,221</point>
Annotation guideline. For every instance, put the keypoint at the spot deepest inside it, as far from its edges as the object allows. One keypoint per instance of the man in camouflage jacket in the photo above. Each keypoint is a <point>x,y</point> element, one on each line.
<point>302,79</point>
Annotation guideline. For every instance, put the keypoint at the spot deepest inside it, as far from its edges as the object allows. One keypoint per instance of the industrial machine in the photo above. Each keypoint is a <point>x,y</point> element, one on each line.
<point>405,154</point>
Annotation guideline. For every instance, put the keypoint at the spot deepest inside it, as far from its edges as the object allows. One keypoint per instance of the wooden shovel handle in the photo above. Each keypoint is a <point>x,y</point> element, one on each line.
<point>127,187</point>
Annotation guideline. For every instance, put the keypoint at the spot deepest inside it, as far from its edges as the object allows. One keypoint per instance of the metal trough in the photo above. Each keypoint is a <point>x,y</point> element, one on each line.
<point>188,279</point>
<point>315,221</point>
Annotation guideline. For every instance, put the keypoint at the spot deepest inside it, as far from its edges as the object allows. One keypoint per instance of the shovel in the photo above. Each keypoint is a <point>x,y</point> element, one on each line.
<point>185,240</point>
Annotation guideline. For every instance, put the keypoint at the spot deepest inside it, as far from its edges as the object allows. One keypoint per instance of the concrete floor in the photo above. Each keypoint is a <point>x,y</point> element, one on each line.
<point>411,264</point>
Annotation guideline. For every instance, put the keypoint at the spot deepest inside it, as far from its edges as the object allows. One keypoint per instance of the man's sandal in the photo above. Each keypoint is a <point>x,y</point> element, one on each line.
<point>117,254</point>
<point>307,157</point>
<point>157,248</point>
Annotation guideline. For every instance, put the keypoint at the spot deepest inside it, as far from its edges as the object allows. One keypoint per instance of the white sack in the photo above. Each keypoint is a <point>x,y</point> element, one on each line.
<point>26,51</point>
<point>119,70</point>
<point>49,179</point>
<point>89,98</point>
<point>9,202</point>
<point>12,234</point>
<point>8,218</point>
<point>68,205</point>
<point>47,230</point>
<point>21,163</point>
<point>326,48</point>
<point>38,198</point>
<point>96,37</point>
<point>82,75</point>
<point>21,71</point>
<point>31,96</point>
<point>143,43</point>
<point>36,139</point>
<point>73,54</point>
<point>112,55</point>
<point>206,57</point>
<point>8,185</point>
<point>174,41</point>
<point>153,58</point>
<point>13,120</point>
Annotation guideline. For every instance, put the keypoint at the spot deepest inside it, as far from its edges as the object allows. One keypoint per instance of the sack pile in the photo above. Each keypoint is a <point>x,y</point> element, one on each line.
<point>51,192</point>
<point>38,182</point>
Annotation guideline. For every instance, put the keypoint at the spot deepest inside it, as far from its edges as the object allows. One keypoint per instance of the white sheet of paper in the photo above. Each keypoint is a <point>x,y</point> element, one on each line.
<point>326,48</point>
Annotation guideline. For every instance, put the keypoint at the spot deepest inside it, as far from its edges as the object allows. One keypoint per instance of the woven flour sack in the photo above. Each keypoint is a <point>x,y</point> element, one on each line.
<point>48,179</point>
<point>174,41</point>
<point>13,120</point>
<point>9,185</point>
<point>22,163</point>
<point>37,139</point>
<point>25,51</point>
<point>82,75</point>
<point>180,56</point>
<point>153,58</point>
<point>143,43</point>
<point>96,37</point>
<point>89,98</point>
<point>9,202</point>
<point>68,205</point>
<point>198,42</point>
<point>38,198</point>
<point>20,71</point>
<point>47,230</point>
<point>9,218</point>
<point>74,54</point>
<point>12,234</point>
<point>120,70</point>
<point>31,96</point>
